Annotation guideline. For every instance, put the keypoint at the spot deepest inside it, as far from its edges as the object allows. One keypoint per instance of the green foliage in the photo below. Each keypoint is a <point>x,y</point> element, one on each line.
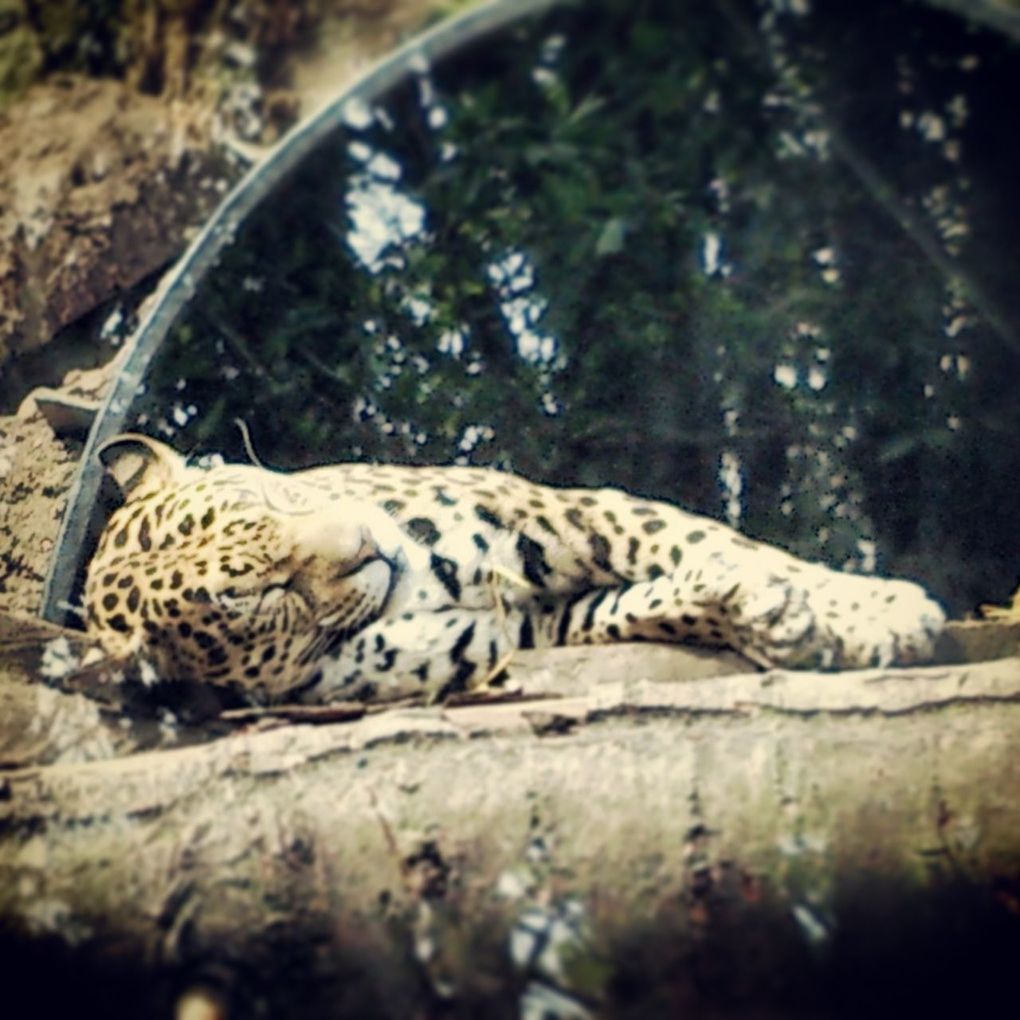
<point>655,240</point>
<point>20,55</point>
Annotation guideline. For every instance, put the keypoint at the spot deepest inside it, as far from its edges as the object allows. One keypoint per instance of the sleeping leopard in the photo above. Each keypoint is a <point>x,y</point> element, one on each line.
<point>364,580</point>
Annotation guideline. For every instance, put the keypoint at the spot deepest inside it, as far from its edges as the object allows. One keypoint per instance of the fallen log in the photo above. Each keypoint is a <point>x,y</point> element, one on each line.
<point>782,843</point>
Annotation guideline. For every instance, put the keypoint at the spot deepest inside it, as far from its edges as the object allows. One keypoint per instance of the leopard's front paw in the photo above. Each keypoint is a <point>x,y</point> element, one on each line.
<point>857,622</point>
<point>870,621</point>
<point>807,616</point>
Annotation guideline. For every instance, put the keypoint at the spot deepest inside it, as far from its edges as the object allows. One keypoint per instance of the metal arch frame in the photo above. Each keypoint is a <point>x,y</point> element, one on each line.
<point>256,185</point>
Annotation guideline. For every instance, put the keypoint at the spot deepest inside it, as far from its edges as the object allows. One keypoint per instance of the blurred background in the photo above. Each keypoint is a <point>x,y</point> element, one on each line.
<point>758,258</point>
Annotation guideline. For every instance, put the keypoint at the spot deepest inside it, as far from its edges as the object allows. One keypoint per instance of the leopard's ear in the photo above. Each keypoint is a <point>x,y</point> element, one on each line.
<point>140,465</point>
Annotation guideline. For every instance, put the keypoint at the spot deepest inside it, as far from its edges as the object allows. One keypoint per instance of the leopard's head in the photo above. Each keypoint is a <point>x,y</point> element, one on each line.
<point>232,574</point>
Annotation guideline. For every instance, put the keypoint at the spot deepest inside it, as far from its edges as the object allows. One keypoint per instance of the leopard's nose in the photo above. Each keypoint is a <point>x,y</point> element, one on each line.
<point>367,549</point>
<point>339,544</point>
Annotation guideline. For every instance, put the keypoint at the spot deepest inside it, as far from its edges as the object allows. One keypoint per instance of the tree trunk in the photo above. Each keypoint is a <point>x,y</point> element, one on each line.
<point>775,844</point>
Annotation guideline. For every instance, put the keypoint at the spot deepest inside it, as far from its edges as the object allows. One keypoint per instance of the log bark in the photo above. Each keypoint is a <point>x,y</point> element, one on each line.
<point>732,845</point>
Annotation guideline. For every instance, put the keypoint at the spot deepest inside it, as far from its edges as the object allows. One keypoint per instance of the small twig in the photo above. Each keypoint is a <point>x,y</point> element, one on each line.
<point>497,697</point>
<point>339,711</point>
<point>345,711</point>
<point>242,349</point>
<point>322,368</point>
<point>248,447</point>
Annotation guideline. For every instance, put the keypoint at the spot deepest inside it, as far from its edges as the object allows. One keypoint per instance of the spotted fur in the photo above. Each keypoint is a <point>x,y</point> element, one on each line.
<point>356,579</point>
